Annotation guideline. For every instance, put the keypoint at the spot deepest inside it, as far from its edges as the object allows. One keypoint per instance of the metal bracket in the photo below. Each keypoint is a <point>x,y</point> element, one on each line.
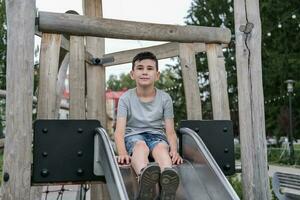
<point>246,28</point>
<point>101,61</point>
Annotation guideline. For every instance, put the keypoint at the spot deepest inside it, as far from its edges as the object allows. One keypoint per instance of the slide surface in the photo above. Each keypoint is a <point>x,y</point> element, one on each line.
<point>200,176</point>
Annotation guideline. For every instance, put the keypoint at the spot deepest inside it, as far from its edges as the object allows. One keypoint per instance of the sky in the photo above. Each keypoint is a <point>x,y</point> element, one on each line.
<point>154,11</point>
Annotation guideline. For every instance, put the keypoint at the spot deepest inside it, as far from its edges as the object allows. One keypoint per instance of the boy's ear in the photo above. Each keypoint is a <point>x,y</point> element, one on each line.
<point>157,75</point>
<point>131,75</point>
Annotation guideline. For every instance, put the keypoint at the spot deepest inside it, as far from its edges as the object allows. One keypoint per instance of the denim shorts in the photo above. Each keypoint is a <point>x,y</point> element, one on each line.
<point>150,139</point>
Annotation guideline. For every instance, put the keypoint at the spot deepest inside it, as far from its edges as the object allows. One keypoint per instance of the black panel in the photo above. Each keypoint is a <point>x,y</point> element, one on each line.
<point>63,151</point>
<point>218,137</point>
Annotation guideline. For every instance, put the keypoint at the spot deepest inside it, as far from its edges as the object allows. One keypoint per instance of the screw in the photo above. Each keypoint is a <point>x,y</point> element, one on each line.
<point>44,172</point>
<point>45,130</point>
<point>79,153</point>
<point>225,129</point>
<point>227,167</point>
<point>226,150</point>
<point>80,130</point>
<point>79,172</point>
<point>45,154</point>
<point>5,176</point>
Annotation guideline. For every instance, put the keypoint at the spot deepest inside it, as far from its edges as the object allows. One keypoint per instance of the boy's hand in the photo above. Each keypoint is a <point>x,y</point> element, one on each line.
<point>176,158</point>
<point>123,159</point>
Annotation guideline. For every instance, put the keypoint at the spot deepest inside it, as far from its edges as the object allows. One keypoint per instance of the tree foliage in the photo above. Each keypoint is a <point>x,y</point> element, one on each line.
<point>280,61</point>
<point>280,55</point>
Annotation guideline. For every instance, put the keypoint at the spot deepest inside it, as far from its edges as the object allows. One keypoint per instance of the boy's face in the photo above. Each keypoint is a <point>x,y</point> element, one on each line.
<point>144,72</point>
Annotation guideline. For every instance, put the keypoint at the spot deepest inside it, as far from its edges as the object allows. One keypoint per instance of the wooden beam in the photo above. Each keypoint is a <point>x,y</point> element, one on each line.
<point>62,105</point>
<point>218,82</point>
<point>121,29</point>
<point>19,84</point>
<point>190,81</point>
<point>96,102</point>
<point>162,51</point>
<point>251,100</point>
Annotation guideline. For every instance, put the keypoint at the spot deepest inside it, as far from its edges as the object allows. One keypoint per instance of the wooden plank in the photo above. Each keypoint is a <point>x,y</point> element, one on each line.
<point>121,29</point>
<point>251,101</point>
<point>190,81</point>
<point>162,51</point>
<point>218,82</point>
<point>77,78</point>
<point>19,85</point>
<point>60,86</point>
<point>96,104</point>
<point>62,105</point>
<point>49,59</point>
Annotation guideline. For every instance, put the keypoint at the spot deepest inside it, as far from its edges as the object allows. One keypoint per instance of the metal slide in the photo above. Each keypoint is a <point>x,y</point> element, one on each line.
<point>200,176</point>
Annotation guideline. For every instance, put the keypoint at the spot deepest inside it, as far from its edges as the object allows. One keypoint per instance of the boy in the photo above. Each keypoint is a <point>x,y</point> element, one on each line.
<point>145,126</point>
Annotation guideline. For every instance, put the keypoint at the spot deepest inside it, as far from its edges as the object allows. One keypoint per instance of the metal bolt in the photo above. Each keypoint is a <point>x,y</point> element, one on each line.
<point>45,154</point>
<point>80,130</point>
<point>45,130</point>
<point>226,150</point>
<point>226,167</point>
<point>79,172</point>
<point>79,153</point>
<point>225,129</point>
<point>5,176</point>
<point>44,172</point>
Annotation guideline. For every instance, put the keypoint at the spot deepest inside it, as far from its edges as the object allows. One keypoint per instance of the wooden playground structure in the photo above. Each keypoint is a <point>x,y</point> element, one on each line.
<point>75,41</point>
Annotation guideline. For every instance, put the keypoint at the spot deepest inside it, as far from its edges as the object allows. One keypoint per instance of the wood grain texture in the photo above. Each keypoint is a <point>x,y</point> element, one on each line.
<point>96,103</point>
<point>49,60</point>
<point>19,85</point>
<point>121,29</point>
<point>190,81</point>
<point>218,82</point>
<point>77,78</point>
<point>251,101</point>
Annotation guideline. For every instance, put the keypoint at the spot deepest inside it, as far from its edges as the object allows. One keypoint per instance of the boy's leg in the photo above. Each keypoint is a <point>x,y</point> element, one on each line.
<point>148,174</point>
<point>160,153</point>
<point>139,157</point>
<point>169,178</point>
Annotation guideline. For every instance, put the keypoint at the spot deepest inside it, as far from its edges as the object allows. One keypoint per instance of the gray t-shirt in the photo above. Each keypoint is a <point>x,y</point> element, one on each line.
<point>145,116</point>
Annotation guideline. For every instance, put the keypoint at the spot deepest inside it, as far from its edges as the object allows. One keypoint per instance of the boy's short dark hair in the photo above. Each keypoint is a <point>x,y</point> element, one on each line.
<point>143,56</point>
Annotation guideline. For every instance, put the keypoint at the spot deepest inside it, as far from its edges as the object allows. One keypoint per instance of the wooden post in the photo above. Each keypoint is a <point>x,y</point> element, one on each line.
<point>190,81</point>
<point>19,85</point>
<point>96,104</point>
<point>251,100</point>
<point>49,60</point>
<point>218,82</point>
<point>77,78</point>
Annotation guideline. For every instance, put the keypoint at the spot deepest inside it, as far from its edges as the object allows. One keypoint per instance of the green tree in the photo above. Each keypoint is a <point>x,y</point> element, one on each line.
<point>280,55</point>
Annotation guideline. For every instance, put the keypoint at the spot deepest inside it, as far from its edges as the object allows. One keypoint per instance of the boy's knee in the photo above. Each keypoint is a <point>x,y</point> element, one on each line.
<point>141,145</point>
<point>161,147</point>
